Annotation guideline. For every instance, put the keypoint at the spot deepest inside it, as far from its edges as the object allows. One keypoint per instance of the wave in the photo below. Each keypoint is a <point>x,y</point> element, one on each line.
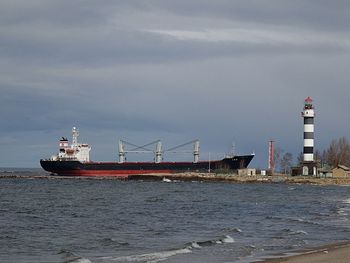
<point>342,211</point>
<point>295,219</point>
<point>294,232</point>
<point>227,239</point>
<point>150,257</point>
<point>166,180</point>
<point>222,240</point>
<point>79,260</point>
<point>343,208</point>
<point>70,257</point>
<point>194,244</point>
<point>113,241</point>
<point>164,255</point>
<point>300,232</point>
<point>234,230</point>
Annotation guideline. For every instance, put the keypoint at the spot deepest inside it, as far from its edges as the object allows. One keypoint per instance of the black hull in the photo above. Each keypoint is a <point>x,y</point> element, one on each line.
<point>76,168</point>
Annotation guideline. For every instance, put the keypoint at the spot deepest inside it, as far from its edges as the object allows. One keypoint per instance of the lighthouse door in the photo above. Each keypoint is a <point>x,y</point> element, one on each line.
<point>305,170</point>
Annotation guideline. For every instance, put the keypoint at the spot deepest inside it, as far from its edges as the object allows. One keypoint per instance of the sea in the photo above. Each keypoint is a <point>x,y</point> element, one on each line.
<point>77,220</point>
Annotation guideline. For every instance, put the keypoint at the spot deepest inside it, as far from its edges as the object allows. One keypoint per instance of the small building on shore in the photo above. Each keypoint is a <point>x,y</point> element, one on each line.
<point>247,172</point>
<point>297,170</point>
<point>325,172</point>
<point>341,171</point>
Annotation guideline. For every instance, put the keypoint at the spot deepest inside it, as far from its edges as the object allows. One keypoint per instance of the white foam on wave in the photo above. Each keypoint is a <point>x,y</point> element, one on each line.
<point>235,229</point>
<point>152,257</point>
<point>80,260</point>
<point>194,244</point>
<point>342,211</point>
<point>291,232</point>
<point>164,255</point>
<point>74,258</point>
<point>227,239</point>
<point>238,230</point>
<point>166,180</point>
<point>299,232</point>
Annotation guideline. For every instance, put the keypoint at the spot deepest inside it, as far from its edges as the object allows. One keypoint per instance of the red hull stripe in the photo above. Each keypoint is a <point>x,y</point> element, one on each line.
<point>116,173</point>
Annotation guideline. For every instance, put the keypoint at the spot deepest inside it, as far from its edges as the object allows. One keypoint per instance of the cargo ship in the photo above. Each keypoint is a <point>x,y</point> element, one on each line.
<point>74,160</point>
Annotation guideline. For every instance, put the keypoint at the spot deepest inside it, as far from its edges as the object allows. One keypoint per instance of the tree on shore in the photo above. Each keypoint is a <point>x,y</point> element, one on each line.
<point>319,158</point>
<point>286,162</point>
<point>338,152</point>
<point>300,159</point>
<point>277,158</point>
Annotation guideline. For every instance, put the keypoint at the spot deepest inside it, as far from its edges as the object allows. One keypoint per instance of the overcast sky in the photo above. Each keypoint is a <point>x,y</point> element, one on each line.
<point>222,71</point>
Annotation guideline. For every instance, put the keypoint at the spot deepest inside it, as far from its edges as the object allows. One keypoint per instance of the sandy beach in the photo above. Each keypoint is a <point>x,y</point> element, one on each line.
<point>335,253</point>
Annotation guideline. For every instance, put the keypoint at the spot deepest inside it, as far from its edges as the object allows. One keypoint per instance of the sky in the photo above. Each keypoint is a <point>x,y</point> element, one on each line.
<point>225,72</point>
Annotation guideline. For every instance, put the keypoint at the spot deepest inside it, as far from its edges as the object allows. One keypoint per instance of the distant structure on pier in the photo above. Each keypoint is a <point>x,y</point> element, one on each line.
<point>271,164</point>
<point>309,166</point>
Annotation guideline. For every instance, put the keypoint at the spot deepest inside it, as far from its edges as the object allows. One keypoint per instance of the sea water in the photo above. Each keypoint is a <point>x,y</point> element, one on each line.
<point>85,220</point>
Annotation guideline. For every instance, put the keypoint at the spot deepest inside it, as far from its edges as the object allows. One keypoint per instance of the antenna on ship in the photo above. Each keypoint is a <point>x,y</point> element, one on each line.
<point>233,149</point>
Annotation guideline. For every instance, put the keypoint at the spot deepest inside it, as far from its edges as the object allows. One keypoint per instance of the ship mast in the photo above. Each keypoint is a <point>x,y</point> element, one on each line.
<point>75,133</point>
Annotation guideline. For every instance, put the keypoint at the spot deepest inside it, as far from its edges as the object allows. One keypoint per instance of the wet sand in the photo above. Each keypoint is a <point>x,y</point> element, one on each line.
<point>335,253</point>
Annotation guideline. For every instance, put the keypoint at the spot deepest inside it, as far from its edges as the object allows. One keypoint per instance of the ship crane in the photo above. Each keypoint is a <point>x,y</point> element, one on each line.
<point>195,150</point>
<point>158,152</point>
<point>139,149</point>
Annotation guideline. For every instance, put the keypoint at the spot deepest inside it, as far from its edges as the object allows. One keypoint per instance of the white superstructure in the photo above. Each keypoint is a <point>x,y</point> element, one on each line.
<point>75,151</point>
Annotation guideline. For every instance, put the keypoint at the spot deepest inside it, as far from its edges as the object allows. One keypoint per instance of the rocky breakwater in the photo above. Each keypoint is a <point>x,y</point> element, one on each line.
<point>234,178</point>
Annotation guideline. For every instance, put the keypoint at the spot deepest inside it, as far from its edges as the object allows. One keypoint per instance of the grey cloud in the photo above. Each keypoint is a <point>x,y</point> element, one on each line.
<point>25,110</point>
<point>93,33</point>
<point>313,14</point>
<point>179,69</point>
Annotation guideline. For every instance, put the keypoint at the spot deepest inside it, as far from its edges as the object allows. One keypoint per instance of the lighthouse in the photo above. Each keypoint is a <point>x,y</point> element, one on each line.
<point>308,114</point>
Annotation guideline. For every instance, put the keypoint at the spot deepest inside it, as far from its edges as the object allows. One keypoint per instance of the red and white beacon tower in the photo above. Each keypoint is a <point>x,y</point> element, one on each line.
<point>308,114</point>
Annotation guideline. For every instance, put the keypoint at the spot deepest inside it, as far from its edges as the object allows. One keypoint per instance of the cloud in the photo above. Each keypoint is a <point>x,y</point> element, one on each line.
<point>222,71</point>
<point>7,140</point>
<point>280,37</point>
<point>91,33</point>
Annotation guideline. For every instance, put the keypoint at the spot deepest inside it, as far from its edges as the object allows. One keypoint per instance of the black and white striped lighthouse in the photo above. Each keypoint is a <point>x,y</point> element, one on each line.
<point>308,113</point>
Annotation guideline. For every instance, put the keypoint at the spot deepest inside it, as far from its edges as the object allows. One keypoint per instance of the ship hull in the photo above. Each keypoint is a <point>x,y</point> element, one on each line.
<point>123,170</point>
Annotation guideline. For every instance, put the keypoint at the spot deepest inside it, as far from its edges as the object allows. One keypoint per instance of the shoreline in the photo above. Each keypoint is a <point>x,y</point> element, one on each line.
<point>204,177</point>
<point>234,178</point>
<point>335,252</point>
